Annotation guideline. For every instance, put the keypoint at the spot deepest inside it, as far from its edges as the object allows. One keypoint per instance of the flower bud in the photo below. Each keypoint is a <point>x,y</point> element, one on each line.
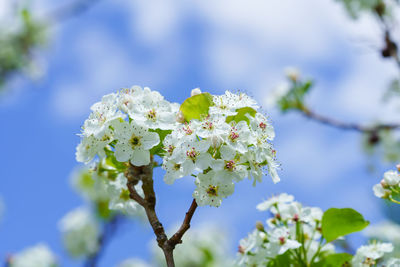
<point>195,91</point>
<point>398,167</point>
<point>216,141</point>
<point>179,117</point>
<point>260,226</point>
<point>384,184</point>
<point>292,73</point>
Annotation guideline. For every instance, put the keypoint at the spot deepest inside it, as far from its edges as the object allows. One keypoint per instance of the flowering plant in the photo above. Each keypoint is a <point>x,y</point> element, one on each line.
<point>218,140</point>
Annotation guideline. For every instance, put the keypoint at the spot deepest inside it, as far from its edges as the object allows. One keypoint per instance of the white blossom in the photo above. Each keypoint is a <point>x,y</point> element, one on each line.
<point>281,198</point>
<point>280,240</point>
<point>134,143</point>
<point>195,91</point>
<point>391,178</point>
<point>385,231</point>
<point>120,199</point>
<point>80,232</point>
<point>103,113</point>
<point>367,255</point>
<point>36,256</point>
<point>211,189</point>
<point>134,263</point>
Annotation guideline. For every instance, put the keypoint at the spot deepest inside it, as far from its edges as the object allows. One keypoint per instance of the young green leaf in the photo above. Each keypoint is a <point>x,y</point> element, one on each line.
<point>241,115</point>
<point>340,222</point>
<point>157,150</point>
<point>335,260</point>
<point>197,106</point>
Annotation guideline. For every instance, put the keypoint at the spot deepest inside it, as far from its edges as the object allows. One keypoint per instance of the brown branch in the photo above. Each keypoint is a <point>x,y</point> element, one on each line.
<point>345,125</point>
<point>134,174</point>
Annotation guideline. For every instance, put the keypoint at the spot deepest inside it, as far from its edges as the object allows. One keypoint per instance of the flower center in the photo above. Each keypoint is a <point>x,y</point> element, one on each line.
<point>192,154</point>
<point>151,115</point>
<point>177,167</point>
<point>208,125</point>
<point>230,165</point>
<point>134,141</point>
<point>170,149</point>
<point>233,135</point>
<point>187,130</point>
<point>369,261</point>
<point>262,125</point>
<point>212,190</point>
<point>282,240</point>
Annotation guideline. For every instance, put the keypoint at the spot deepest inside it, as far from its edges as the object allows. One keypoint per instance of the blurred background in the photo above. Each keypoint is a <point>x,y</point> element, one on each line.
<point>172,46</point>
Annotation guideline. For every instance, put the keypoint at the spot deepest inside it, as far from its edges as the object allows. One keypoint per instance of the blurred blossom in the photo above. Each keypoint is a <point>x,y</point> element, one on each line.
<point>275,95</point>
<point>385,231</point>
<point>37,256</point>
<point>80,233</point>
<point>134,263</point>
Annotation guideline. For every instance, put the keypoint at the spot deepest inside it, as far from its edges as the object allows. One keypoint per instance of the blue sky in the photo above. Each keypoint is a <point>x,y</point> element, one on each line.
<point>174,47</point>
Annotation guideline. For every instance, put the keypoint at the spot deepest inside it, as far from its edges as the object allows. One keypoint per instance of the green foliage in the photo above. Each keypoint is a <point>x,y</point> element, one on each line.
<point>281,260</point>
<point>16,47</point>
<point>158,149</point>
<point>335,260</point>
<point>197,106</point>
<point>295,97</point>
<point>341,222</point>
<point>241,115</point>
<point>111,163</point>
<point>102,209</point>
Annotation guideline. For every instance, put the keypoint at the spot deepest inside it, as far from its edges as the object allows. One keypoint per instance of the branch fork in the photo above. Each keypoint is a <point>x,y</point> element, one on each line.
<point>134,174</point>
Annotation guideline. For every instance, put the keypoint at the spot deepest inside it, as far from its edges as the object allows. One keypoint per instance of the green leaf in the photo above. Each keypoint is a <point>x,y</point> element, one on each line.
<point>281,260</point>
<point>241,115</point>
<point>85,179</point>
<point>335,260</point>
<point>158,149</point>
<point>340,222</point>
<point>103,210</point>
<point>111,163</point>
<point>196,107</point>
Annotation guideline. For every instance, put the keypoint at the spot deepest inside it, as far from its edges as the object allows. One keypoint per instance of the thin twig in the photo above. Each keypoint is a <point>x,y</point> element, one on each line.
<point>347,126</point>
<point>177,237</point>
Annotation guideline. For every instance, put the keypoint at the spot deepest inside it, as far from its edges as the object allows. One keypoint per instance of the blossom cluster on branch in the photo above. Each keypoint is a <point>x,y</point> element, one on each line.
<point>220,140</point>
<point>301,236</point>
<point>389,187</point>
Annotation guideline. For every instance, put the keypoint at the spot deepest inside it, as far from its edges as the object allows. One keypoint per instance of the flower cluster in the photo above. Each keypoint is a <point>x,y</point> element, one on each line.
<point>389,187</point>
<point>226,145</point>
<point>81,233</point>
<point>293,230</point>
<point>372,255</point>
<point>220,140</point>
<point>126,122</point>
<point>39,255</point>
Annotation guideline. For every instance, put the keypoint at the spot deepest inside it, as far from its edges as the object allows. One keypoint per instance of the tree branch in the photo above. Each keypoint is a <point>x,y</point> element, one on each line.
<point>134,174</point>
<point>347,126</point>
